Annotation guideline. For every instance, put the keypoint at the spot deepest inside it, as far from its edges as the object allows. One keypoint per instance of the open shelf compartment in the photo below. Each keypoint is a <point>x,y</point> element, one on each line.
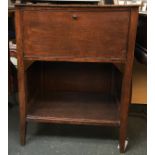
<point>73,93</point>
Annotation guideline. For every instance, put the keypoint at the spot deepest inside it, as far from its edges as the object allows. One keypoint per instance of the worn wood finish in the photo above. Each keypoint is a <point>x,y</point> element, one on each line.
<point>78,34</point>
<point>127,76</point>
<point>28,64</point>
<point>33,79</point>
<point>82,77</point>
<point>21,77</point>
<point>91,109</point>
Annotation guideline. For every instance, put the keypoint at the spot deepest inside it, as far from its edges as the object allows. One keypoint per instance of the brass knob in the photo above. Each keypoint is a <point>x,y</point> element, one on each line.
<point>75,17</point>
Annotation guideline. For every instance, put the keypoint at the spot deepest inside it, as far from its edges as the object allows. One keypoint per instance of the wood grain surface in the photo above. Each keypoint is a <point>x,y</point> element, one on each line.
<point>65,34</point>
<point>75,93</point>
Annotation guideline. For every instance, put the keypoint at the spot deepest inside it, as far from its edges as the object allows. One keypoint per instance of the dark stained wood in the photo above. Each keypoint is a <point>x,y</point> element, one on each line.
<point>28,64</point>
<point>77,38</point>
<point>21,77</point>
<point>99,92</point>
<point>91,109</point>
<point>82,77</point>
<point>44,77</point>
<point>82,80</point>
<point>74,59</point>
<point>127,76</point>
<point>33,79</point>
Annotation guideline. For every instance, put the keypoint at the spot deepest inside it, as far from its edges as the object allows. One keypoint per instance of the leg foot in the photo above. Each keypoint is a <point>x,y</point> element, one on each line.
<point>122,136</point>
<point>124,146</point>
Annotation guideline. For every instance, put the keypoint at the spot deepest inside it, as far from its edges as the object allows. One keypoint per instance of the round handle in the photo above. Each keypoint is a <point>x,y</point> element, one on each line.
<point>75,17</point>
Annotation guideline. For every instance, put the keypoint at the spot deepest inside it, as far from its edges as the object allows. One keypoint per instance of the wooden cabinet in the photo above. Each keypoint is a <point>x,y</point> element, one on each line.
<point>66,57</point>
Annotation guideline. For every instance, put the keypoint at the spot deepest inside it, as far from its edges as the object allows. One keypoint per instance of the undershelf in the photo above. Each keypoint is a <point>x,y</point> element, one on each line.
<point>74,108</point>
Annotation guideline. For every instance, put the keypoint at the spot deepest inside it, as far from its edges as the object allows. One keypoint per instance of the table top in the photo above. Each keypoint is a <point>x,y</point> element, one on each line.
<point>55,4</point>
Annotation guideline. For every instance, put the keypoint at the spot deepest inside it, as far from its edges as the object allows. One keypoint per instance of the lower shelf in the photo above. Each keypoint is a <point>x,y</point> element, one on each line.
<point>74,108</point>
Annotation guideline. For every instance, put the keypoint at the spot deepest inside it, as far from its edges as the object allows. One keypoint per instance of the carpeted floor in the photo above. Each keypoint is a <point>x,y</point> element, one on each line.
<point>49,139</point>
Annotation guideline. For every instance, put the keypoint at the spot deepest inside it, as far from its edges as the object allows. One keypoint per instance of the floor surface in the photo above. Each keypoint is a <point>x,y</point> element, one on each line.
<point>49,139</point>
